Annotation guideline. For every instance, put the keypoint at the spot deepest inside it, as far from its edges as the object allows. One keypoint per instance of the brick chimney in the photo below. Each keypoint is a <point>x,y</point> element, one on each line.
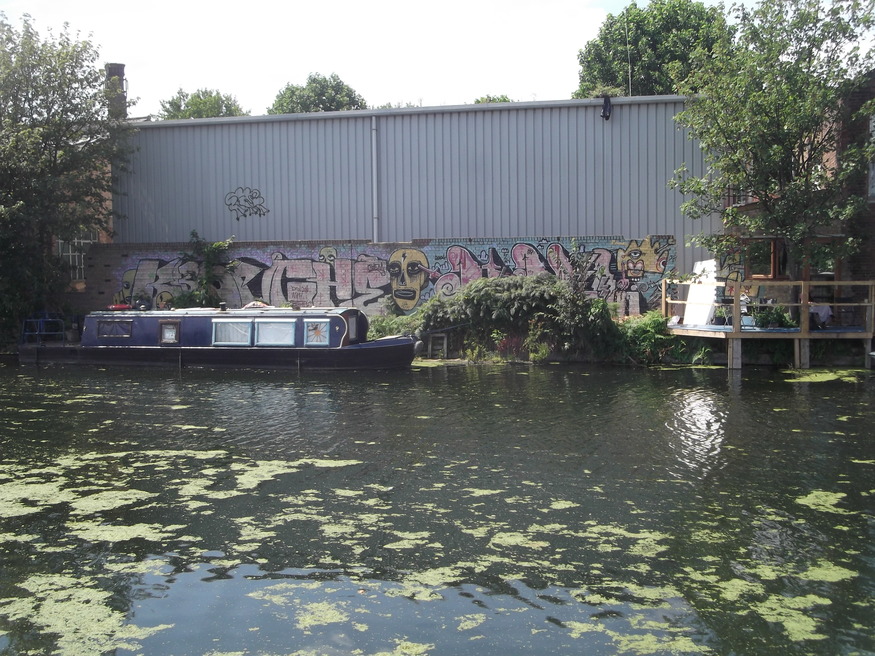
<point>115,79</point>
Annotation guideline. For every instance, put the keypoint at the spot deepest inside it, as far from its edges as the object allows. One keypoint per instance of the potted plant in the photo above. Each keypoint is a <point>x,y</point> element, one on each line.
<point>773,316</point>
<point>723,315</point>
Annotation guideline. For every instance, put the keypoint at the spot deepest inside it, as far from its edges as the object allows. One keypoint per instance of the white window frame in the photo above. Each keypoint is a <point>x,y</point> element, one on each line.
<point>226,322</point>
<point>308,339</point>
<point>73,252</point>
<point>262,324</point>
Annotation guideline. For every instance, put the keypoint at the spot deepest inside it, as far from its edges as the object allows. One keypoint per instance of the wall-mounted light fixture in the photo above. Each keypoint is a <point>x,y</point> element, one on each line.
<point>607,109</point>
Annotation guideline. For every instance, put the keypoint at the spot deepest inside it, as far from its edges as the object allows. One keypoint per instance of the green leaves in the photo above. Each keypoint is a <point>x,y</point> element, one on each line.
<point>319,94</point>
<point>644,51</point>
<point>545,313</point>
<point>58,143</point>
<point>203,103</point>
<point>769,107</point>
<point>212,261</point>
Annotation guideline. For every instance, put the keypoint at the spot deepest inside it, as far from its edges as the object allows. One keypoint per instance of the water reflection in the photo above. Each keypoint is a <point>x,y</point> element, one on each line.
<point>696,431</point>
<point>504,510</point>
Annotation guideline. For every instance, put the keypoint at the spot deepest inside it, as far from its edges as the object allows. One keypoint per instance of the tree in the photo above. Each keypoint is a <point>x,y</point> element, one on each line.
<point>319,94</point>
<point>642,52</point>
<point>203,103</point>
<point>769,115</point>
<point>406,105</point>
<point>58,140</point>
<point>488,98</point>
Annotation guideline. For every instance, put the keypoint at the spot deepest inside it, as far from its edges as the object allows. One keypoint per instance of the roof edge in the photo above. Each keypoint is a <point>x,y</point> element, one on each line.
<point>143,123</point>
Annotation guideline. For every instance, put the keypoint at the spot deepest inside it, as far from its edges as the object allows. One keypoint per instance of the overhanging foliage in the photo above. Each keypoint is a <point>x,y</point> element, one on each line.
<point>58,143</point>
<point>769,107</point>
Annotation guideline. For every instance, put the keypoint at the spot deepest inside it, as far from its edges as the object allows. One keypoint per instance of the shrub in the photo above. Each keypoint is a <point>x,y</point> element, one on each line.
<point>384,326</point>
<point>647,339</point>
<point>537,316</point>
<point>212,261</point>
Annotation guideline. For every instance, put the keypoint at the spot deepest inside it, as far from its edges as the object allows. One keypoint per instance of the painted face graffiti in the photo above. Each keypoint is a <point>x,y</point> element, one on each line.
<point>408,275</point>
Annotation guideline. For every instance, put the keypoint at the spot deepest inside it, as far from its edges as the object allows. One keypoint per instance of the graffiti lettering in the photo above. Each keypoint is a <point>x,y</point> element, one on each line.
<point>627,273</point>
<point>243,202</point>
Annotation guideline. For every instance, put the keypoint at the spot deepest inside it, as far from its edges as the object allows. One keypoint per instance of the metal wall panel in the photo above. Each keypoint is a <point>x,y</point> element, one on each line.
<point>313,176</point>
<point>521,169</point>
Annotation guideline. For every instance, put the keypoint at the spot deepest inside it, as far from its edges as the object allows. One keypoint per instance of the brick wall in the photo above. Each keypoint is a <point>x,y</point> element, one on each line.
<point>862,265</point>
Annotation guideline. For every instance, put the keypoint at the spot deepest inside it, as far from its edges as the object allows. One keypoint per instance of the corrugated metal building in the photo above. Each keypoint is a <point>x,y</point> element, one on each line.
<point>474,171</point>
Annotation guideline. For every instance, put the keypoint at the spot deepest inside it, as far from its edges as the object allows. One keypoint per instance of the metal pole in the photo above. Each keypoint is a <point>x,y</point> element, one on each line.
<point>375,187</point>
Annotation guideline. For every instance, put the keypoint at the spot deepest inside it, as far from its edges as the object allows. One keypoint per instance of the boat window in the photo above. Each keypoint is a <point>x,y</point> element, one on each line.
<point>275,332</point>
<point>352,323</point>
<point>316,333</point>
<point>115,328</point>
<point>170,332</point>
<point>232,332</point>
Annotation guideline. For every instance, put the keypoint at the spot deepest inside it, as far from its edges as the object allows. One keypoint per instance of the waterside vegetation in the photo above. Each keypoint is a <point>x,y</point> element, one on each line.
<point>542,319</point>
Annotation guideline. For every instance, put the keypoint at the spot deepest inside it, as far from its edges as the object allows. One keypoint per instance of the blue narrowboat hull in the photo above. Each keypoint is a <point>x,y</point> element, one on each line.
<point>260,338</point>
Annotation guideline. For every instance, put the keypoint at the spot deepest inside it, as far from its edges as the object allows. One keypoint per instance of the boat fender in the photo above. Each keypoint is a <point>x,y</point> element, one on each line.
<point>418,347</point>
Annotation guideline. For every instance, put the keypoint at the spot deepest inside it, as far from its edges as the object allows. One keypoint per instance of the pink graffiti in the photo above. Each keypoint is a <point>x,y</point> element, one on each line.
<point>465,267</point>
<point>559,262</point>
<point>527,260</point>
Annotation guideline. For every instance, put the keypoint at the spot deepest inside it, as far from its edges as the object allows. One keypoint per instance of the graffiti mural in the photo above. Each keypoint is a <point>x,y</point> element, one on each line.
<point>626,272</point>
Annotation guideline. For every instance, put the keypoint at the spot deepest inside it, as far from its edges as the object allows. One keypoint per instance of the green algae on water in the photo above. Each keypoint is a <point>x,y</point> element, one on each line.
<point>825,375</point>
<point>824,501</point>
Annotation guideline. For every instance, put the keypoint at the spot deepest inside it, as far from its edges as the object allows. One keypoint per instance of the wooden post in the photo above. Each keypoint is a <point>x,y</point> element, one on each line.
<point>736,315</point>
<point>665,298</point>
<point>805,310</point>
<point>733,353</point>
<point>802,353</point>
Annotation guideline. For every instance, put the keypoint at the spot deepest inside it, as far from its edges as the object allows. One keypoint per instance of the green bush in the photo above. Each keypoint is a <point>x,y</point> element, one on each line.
<point>538,317</point>
<point>384,326</point>
<point>647,340</point>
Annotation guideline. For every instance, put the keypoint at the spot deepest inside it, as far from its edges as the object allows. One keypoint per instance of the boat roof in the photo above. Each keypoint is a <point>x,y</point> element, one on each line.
<point>278,312</point>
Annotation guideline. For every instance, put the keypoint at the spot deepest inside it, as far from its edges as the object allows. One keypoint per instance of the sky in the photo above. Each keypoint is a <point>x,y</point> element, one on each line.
<point>390,51</point>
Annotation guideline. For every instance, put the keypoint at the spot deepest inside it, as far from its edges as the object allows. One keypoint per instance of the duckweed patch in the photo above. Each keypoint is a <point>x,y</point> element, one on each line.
<point>439,529</point>
<point>826,375</point>
<point>823,501</point>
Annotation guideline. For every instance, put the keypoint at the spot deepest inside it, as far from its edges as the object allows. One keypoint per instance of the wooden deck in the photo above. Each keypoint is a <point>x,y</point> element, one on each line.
<point>853,314</point>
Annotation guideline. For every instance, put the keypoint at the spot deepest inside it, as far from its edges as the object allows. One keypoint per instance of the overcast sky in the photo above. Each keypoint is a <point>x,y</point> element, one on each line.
<point>390,51</point>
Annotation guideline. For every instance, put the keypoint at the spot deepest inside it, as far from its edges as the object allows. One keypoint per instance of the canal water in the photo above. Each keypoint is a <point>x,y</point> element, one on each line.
<point>441,511</point>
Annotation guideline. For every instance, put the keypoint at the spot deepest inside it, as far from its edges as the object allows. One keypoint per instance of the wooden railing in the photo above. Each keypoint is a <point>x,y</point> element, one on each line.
<point>852,303</point>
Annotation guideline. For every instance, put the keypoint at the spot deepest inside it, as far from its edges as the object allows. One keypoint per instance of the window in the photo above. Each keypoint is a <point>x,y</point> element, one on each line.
<point>316,332</point>
<point>232,332</point>
<point>110,328</point>
<point>275,332</point>
<point>765,257</point>
<point>73,253</point>
<point>169,332</point>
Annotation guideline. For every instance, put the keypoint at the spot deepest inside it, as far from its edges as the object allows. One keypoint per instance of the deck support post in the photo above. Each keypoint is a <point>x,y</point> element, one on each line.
<point>733,353</point>
<point>802,353</point>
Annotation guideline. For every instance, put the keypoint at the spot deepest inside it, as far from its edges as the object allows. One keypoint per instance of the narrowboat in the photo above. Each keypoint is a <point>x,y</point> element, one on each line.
<point>252,337</point>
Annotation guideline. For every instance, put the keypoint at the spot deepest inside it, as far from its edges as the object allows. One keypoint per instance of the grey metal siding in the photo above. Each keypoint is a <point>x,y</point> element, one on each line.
<point>313,175</point>
<point>521,169</point>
